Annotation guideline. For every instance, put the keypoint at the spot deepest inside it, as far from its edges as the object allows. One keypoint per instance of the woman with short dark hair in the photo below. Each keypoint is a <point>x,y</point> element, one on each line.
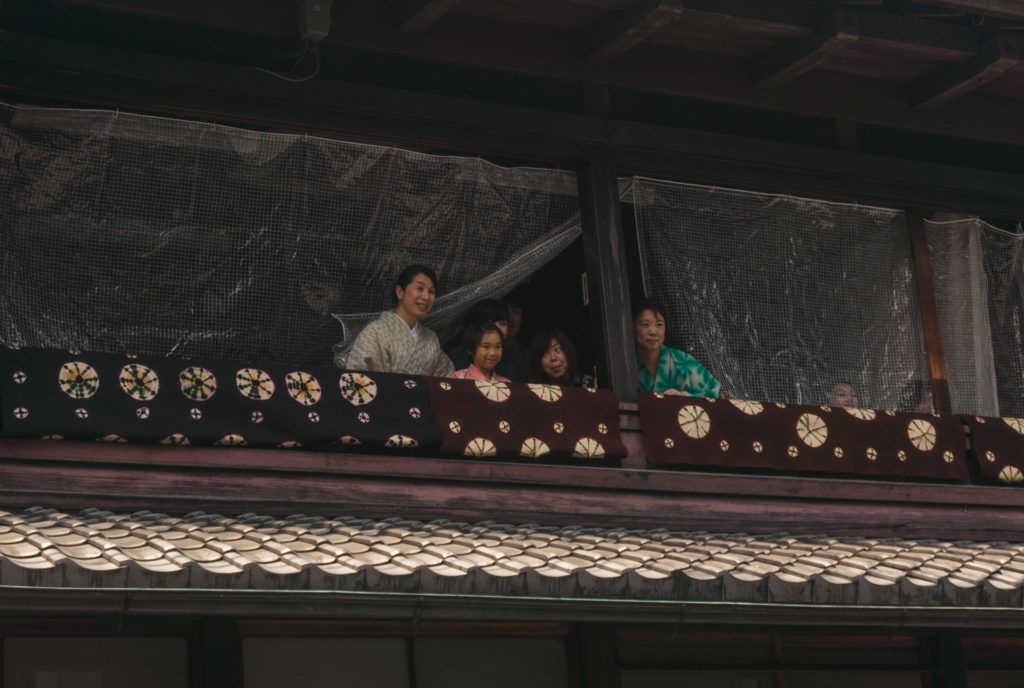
<point>396,342</point>
<point>553,360</point>
<point>660,368</point>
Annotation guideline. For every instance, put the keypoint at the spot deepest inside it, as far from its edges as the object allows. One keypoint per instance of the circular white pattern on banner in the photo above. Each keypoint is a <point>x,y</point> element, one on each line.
<point>176,439</point>
<point>313,417</point>
<point>504,426</point>
<point>863,414</point>
<point>348,439</point>
<point>81,413</point>
<point>195,413</point>
<point>811,430</point>
<point>757,447</point>
<point>142,413</point>
<point>78,380</point>
<point>357,389</point>
<point>602,428</point>
<point>231,441</point>
<point>363,417</point>
<point>415,412</point>
<point>1016,423</point>
<point>112,438</point>
<point>455,427</point>
<point>546,392</point>
<point>289,444</point>
<point>793,452</point>
<point>948,456</point>
<point>139,382</point>
<point>751,408</point>
<point>255,384</point>
<point>21,413</point>
<point>533,448</point>
<point>493,391</point>
<point>694,421</point>
<point>257,416</point>
<point>558,428</point>
<point>480,446</point>
<point>921,434</point>
<point>588,448</point>
<point>871,453</point>
<point>198,384</point>
<point>401,442</point>
<point>19,377</point>
<point>303,387</point>
<point>410,384</point>
<point>1011,474</point>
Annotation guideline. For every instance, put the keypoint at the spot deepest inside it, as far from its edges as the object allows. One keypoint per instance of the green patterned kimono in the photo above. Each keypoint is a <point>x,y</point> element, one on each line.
<point>680,371</point>
<point>388,345</point>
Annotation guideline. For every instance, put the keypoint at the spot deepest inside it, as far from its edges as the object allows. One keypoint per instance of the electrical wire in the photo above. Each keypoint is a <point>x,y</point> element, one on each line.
<point>316,71</point>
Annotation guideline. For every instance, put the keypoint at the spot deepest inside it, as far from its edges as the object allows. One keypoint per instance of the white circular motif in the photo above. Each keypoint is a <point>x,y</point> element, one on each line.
<point>901,455</point>
<point>694,421</point>
<point>231,441</point>
<point>142,412</point>
<point>348,439</point>
<point>19,377</point>
<point>890,413</point>
<point>20,413</point>
<point>811,430</point>
<point>793,451</point>
<point>533,448</point>
<point>82,413</point>
<point>1016,423</point>
<point>257,416</point>
<point>401,442</point>
<point>415,412</point>
<point>948,457</point>
<point>669,442</point>
<point>493,391</point>
<point>559,428</point>
<point>446,386</point>
<point>78,380</point>
<point>198,384</point>
<point>289,444</point>
<point>504,427</point>
<point>602,428</point>
<point>838,452</point>
<point>302,387</point>
<point>480,446</point>
<point>921,434</point>
<point>410,384</point>
<point>313,417</point>
<point>980,420</point>
<point>357,389</point>
<point>723,445</point>
<point>195,413</point>
<point>871,453</point>
<point>455,427</point>
<point>588,448</point>
<point>363,417</point>
<point>751,408</point>
<point>254,384</point>
<point>139,382</point>
<point>990,456</point>
<point>757,447</point>
<point>111,438</point>
<point>1011,474</point>
<point>546,392</point>
<point>175,439</point>
<point>863,414</point>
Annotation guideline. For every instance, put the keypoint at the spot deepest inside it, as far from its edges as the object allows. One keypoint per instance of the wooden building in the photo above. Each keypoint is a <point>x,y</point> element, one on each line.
<point>252,567</point>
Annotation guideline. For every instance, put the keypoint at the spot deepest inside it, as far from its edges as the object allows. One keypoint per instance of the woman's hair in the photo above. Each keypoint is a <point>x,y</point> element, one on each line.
<point>539,347</point>
<point>408,274</point>
<point>486,311</point>
<point>474,332</point>
<point>648,305</point>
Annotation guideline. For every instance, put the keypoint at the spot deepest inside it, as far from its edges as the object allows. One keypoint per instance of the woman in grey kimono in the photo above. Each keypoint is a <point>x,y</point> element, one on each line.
<point>396,342</point>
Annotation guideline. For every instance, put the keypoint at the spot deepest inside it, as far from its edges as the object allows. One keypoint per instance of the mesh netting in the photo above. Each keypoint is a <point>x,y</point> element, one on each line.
<point>979,284</point>
<point>129,233</point>
<point>782,298</point>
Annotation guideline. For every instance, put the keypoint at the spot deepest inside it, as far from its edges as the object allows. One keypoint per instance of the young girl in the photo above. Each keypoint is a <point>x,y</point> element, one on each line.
<point>483,342</point>
<point>396,342</point>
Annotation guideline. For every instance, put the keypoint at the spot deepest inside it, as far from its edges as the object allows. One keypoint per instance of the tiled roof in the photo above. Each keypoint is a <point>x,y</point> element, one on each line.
<point>44,547</point>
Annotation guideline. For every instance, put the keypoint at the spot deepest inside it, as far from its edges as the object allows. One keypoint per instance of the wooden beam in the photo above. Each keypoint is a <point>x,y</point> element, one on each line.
<point>790,59</point>
<point>618,32</point>
<point>947,83</point>
<point>1007,9</point>
<point>416,16</point>
<point>604,251</point>
<point>929,312</point>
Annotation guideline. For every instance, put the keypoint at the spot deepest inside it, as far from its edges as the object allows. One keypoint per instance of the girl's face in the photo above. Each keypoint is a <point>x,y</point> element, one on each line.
<point>488,353</point>
<point>417,298</point>
<point>554,362</point>
<point>649,328</point>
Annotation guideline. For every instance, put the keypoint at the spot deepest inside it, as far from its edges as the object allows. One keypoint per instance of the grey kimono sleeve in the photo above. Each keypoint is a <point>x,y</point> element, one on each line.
<point>366,353</point>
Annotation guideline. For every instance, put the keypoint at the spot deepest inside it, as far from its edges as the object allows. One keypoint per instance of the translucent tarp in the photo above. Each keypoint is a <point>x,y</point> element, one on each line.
<point>979,285</point>
<point>782,298</point>
<point>122,232</point>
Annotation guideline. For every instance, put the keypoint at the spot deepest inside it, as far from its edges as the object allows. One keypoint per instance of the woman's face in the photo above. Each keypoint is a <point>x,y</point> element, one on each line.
<point>554,362</point>
<point>488,353</point>
<point>417,298</point>
<point>843,394</point>
<point>649,328</point>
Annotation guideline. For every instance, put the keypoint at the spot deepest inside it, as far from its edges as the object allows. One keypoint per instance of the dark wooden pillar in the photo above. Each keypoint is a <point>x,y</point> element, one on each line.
<point>219,654</point>
<point>607,282</point>
<point>953,673</point>
<point>599,665</point>
<point>929,313</point>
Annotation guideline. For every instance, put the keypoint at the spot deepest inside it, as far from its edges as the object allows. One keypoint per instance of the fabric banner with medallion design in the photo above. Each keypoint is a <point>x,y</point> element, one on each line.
<point>51,394</point>
<point>482,419</point>
<point>998,445</point>
<point>733,433</point>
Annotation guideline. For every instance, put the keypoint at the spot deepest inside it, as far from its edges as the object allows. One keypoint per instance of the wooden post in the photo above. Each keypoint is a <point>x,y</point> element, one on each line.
<point>598,656</point>
<point>951,655</point>
<point>220,656</point>
<point>604,251</point>
<point>929,313</point>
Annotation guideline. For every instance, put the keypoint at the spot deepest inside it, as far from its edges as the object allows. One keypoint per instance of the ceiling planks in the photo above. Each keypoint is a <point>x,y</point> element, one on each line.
<point>414,16</point>
<point>793,58</point>
<point>616,33</point>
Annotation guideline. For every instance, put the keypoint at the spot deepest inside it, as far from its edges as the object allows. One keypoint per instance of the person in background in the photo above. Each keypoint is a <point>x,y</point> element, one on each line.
<point>396,342</point>
<point>917,395</point>
<point>483,342</point>
<point>843,394</point>
<point>480,313</point>
<point>552,360</point>
<point>515,352</point>
<point>661,368</point>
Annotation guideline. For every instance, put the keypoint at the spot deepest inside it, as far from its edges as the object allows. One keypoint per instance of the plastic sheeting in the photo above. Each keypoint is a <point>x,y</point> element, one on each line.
<point>130,233</point>
<point>782,298</point>
<point>979,279</point>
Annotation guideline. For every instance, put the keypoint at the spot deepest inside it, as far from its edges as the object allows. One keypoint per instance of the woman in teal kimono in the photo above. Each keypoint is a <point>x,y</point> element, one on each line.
<point>661,368</point>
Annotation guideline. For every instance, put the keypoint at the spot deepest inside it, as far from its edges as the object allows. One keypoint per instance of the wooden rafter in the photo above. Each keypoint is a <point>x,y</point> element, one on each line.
<point>618,32</point>
<point>793,58</point>
<point>415,16</point>
<point>947,83</point>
